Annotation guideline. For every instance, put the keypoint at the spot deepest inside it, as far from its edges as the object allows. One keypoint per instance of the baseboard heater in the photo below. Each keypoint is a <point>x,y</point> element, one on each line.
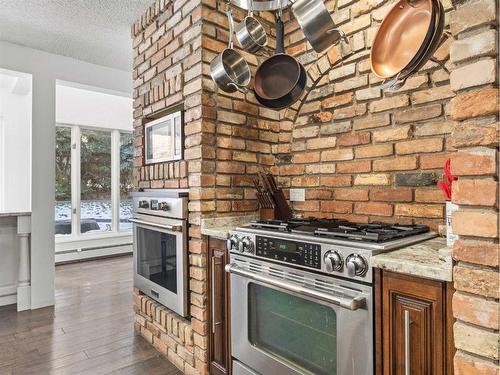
<point>88,253</point>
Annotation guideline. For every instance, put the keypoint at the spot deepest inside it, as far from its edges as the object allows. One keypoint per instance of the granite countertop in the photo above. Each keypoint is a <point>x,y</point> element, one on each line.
<point>220,227</point>
<point>6,214</point>
<point>430,259</point>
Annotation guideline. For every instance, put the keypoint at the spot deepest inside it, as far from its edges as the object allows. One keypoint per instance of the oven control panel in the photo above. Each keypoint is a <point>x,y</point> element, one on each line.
<point>300,253</point>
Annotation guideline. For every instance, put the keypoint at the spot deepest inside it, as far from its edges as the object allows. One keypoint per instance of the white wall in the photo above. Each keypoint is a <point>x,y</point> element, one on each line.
<point>78,106</point>
<point>15,145</point>
<point>46,69</point>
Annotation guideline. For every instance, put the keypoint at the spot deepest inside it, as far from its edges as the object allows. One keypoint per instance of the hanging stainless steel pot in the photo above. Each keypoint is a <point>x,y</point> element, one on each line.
<point>316,23</point>
<point>229,69</point>
<point>250,33</point>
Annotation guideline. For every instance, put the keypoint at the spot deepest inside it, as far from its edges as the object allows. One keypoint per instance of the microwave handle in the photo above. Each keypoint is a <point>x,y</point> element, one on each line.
<point>348,303</point>
<point>173,228</point>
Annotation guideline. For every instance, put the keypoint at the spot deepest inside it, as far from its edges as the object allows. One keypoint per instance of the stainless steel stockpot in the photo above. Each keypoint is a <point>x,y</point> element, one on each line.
<point>316,23</point>
<point>229,69</point>
<point>250,33</point>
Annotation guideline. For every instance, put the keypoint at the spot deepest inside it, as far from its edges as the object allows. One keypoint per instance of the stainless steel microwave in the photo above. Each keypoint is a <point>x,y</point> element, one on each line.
<point>163,138</point>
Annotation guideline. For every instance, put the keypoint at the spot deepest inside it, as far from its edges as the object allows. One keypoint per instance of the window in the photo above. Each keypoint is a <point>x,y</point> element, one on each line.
<point>126,182</point>
<point>63,207</point>
<point>93,180</point>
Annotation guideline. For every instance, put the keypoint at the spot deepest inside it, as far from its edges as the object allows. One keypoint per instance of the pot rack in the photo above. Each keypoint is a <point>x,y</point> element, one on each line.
<point>260,5</point>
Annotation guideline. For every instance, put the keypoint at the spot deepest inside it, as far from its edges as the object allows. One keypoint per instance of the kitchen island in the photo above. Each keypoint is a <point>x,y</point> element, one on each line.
<point>19,290</point>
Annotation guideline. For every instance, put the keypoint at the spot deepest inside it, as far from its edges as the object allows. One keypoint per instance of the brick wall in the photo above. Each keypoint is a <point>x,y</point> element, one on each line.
<point>361,153</point>
<point>244,134</point>
<point>167,71</point>
<point>474,78</point>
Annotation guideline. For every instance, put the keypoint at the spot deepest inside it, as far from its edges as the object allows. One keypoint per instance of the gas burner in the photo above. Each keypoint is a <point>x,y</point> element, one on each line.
<point>278,225</point>
<point>336,228</point>
<point>297,225</point>
<point>373,232</point>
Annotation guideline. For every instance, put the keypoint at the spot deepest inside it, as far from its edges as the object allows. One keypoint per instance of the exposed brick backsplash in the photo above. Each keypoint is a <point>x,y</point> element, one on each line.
<point>359,152</point>
<point>349,134</point>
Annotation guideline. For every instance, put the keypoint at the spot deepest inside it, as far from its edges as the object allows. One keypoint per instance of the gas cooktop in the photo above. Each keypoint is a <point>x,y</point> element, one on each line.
<point>341,229</point>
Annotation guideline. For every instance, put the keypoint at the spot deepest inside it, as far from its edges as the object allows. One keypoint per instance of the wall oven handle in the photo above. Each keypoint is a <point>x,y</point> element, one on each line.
<point>348,303</point>
<point>173,228</point>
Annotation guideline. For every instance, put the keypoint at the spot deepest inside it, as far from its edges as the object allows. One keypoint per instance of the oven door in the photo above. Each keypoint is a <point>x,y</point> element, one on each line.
<point>160,261</point>
<point>292,322</point>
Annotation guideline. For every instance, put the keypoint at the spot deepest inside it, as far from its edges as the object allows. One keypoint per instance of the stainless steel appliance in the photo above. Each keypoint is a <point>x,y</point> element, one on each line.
<point>164,138</point>
<point>302,294</point>
<point>160,247</point>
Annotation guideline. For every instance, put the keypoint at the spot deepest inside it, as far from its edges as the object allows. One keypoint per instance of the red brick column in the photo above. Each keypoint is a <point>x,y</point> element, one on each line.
<point>474,79</point>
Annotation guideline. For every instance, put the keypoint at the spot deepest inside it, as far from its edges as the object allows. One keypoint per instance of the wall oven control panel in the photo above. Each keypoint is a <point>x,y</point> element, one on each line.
<point>300,253</point>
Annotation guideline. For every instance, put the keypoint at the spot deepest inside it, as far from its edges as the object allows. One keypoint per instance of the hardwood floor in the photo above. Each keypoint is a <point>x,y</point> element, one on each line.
<point>89,331</point>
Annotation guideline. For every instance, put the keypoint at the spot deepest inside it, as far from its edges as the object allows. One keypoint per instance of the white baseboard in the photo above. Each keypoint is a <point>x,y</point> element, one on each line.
<point>24,298</point>
<point>8,295</point>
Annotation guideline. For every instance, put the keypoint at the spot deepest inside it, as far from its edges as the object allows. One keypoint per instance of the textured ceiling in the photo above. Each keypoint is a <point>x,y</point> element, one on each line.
<point>97,31</point>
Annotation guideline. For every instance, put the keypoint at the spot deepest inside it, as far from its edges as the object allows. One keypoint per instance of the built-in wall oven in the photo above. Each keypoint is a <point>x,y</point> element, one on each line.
<point>160,247</point>
<point>286,321</point>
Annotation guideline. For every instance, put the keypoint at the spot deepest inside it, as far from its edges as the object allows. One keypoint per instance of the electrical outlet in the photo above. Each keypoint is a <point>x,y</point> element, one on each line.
<point>297,195</point>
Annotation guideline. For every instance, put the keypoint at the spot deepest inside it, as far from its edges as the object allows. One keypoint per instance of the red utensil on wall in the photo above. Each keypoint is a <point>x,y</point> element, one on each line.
<point>445,185</point>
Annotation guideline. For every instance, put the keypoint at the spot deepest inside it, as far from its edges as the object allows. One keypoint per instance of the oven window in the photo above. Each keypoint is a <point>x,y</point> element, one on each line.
<point>157,257</point>
<point>298,331</point>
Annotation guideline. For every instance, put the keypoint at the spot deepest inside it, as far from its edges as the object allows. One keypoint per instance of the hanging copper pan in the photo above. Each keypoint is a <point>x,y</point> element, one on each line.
<point>403,37</point>
<point>399,80</point>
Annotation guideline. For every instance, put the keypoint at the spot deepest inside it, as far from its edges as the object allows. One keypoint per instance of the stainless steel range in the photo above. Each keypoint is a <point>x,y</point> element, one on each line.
<point>160,247</point>
<point>302,294</point>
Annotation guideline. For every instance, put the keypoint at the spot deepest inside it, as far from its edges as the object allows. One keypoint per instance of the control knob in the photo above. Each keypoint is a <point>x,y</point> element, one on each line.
<point>333,261</point>
<point>245,245</point>
<point>356,265</point>
<point>163,206</point>
<point>232,242</point>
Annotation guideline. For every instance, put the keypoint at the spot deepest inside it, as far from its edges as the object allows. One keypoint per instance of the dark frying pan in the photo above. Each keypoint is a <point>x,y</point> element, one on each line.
<point>288,99</point>
<point>402,37</point>
<point>277,76</point>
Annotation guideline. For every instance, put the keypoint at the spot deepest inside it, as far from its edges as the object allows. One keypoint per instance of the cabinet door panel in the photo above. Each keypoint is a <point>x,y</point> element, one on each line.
<point>413,329</point>
<point>412,335</point>
<point>219,309</point>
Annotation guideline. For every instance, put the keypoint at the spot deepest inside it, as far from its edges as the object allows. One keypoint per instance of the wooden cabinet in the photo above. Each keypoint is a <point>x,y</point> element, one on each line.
<point>413,325</point>
<point>219,336</point>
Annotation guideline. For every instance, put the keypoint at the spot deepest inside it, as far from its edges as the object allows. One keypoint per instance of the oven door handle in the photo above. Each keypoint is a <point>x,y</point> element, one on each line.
<point>354,303</point>
<point>173,228</point>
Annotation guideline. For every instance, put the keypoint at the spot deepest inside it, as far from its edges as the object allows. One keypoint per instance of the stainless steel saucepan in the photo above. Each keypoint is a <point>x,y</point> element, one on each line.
<point>250,33</point>
<point>229,69</point>
<point>316,23</point>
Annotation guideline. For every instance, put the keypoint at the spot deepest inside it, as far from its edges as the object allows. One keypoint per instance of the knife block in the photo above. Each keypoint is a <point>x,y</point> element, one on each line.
<point>267,213</point>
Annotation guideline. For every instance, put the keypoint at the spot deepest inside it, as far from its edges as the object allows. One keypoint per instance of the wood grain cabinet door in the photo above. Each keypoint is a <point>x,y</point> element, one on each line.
<point>219,308</point>
<point>413,326</point>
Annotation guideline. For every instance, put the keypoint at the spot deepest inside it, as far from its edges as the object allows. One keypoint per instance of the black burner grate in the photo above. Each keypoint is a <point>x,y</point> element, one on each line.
<point>335,228</point>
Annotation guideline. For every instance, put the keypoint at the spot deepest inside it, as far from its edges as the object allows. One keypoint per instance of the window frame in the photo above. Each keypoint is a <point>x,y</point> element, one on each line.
<point>78,241</point>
